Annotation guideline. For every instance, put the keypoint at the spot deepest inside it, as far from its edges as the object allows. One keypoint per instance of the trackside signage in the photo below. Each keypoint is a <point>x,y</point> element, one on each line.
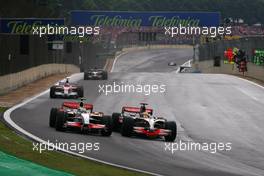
<point>25,25</point>
<point>139,19</point>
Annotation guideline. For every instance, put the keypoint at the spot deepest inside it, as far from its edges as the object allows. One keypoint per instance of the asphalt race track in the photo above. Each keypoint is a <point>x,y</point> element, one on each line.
<point>208,108</point>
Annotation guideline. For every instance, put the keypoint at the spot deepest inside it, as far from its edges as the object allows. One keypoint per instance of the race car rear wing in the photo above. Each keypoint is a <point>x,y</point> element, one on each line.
<point>76,105</point>
<point>136,110</point>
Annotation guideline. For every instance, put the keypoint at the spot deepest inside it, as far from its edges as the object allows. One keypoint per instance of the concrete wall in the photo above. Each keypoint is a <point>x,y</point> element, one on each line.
<point>12,60</point>
<point>155,47</point>
<point>207,66</point>
<point>18,68</point>
<point>15,80</point>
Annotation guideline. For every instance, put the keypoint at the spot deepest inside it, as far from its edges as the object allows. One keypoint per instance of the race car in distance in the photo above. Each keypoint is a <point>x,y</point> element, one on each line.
<point>95,73</point>
<point>172,63</point>
<point>140,121</point>
<point>79,116</point>
<point>66,90</point>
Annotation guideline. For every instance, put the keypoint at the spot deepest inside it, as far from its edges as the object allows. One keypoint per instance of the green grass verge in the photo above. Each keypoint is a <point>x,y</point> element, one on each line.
<point>13,144</point>
<point>2,109</point>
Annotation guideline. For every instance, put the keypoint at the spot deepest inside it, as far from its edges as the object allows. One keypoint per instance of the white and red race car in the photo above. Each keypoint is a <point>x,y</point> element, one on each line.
<point>140,121</point>
<point>79,116</point>
<point>66,90</point>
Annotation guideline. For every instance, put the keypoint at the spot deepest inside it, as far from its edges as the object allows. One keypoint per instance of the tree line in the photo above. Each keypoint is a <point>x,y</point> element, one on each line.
<point>251,11</point>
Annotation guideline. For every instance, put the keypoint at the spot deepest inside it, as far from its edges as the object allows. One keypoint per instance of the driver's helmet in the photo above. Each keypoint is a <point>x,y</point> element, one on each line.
<point>142,108</point>
<point>67,80</point>
<point>145,115</point>
<point>81,104</point>
<point>82,108</point>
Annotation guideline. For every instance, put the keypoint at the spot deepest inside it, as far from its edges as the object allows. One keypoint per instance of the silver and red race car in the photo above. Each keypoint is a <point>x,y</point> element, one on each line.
<point>66,90</point>
<point>140,121</point>
<point>79,116</point>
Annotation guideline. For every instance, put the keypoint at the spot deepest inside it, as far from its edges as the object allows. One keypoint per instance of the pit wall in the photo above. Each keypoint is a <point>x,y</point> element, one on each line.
<point>15,80</point>
<point>133,48</point>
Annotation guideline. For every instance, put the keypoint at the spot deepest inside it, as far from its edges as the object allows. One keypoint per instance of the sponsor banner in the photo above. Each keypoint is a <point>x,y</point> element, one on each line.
<point>150,19</point>
<point>25,25</point>
<point>235,37</point>
<point>258,57</point>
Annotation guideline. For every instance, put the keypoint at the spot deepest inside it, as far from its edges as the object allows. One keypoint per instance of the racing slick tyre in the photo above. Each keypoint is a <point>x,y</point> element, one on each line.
<point>52,118</point>
<point>80,91</point>
<point>105,75</point>
<point>107,121</point>
<point>116,123</point>
<point>127,126</point>
<point>60,120</point>
<point>52,92</point>
<point>85,76</point>
<point>173,128</point>
<point>81,69</point>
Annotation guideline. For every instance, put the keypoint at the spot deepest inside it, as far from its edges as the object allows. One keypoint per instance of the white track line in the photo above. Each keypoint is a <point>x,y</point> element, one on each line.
<point>107,61</point>
<point>7,118</point>
<point>251,82</point>
<point>113,66</point>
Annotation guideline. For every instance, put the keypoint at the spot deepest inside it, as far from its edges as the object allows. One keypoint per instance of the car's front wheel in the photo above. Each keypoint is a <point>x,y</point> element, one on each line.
<point>60,120</point>
<point>173,128</point>
<point>52,118</point>
<point>86,76</point>
<point>52,92</point>
<point>127,126</point>
<point>107,121</point>
<point>105,75</point>
<point>80,91</point>
<point>116,123</point>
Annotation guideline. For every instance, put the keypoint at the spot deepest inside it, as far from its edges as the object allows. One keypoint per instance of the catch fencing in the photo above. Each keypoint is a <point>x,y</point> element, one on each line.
<point>216,49</point>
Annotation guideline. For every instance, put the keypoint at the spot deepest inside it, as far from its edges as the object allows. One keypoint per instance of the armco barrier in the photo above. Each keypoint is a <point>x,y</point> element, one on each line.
<point>15,80</point>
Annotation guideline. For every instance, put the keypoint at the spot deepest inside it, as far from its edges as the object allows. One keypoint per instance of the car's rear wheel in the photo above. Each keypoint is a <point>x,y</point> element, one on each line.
<point>52,118</point>
<point>80,91</point>
<point>107,121</point>
<point>173,128</point>
<point>116,123</point>
<point>60,120</point>
<point>105,75</point>
<point>52,92</point>
<point>85,76</point>
<point>127,126</point>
